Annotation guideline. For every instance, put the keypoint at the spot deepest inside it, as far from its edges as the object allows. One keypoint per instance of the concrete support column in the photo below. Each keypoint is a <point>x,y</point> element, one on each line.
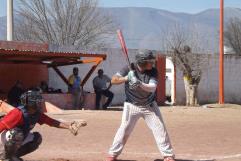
<point>10,20</point>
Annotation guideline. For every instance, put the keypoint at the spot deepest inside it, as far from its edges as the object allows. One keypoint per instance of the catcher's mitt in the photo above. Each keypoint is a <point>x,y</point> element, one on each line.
<point>75,125</point>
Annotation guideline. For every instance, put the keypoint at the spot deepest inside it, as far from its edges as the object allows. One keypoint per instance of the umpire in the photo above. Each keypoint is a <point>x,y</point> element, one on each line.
<point>140,87</point>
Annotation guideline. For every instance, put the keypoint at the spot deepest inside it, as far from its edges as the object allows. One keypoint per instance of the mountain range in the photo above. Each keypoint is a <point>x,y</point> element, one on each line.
<point>145,27</point>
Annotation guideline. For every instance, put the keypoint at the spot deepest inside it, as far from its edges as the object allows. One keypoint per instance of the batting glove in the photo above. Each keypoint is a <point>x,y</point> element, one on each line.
<point>134,82</point>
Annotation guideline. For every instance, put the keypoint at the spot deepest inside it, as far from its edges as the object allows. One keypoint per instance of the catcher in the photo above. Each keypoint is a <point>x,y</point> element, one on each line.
<point>15,128</point>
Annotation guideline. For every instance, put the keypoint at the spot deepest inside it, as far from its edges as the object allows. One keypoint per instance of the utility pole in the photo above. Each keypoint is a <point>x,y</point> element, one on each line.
<point>221,59</point>
<point>9,20</point>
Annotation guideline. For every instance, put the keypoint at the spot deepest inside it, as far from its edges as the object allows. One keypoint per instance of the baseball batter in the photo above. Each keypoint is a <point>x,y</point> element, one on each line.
<point>17,139</point>
<point>140,87</point>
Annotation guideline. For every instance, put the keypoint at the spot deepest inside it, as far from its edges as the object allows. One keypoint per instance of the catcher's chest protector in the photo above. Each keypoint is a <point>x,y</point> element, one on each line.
<point>29,120</point>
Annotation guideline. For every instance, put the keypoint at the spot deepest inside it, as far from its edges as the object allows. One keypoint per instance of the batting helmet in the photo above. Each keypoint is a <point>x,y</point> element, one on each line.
<point>31,99</point>
<point>145,56</point>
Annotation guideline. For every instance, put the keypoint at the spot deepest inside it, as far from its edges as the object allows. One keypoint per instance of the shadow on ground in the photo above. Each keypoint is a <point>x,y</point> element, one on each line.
<point>125,160</point>
<point>115,109</point>
<point>60,159</point>
<point>183,160</point>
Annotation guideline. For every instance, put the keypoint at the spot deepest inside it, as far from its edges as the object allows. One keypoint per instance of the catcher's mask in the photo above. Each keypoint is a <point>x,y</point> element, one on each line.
<point>144,57</point>
<point>32,99</point>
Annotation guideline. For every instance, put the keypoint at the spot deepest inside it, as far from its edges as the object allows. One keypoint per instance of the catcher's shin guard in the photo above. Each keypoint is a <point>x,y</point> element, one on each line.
<point>30,146</point>
<point>14,138</point>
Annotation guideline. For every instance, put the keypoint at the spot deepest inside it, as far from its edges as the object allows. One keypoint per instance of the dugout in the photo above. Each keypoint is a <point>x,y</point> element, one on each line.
<point>29,63</point>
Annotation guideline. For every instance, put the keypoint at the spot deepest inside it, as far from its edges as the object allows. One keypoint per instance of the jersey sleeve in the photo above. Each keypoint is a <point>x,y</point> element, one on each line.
<point>79,79</point>
<point>94,81</point>
<point>12,119</point>
<point>107,78</point>
<point>123,72</point>
<point>44,119</point>
<point>71,80</point>
<point>154,76</point>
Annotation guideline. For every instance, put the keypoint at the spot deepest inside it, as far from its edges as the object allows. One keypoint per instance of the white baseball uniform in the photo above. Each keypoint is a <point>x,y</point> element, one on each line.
<point>141,104</point>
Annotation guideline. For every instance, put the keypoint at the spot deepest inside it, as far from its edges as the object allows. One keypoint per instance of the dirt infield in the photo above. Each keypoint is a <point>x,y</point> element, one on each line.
<point>196,134</point>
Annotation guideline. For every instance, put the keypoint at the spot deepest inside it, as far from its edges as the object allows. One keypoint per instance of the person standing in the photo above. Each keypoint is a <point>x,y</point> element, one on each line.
<point>102,84</point>
<point>14,94</point>
<point>74,88</point>
<point>140,87</point>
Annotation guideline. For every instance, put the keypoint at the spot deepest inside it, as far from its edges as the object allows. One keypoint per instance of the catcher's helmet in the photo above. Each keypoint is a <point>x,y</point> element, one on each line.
<point>145,56</point>
<point>31,99</point>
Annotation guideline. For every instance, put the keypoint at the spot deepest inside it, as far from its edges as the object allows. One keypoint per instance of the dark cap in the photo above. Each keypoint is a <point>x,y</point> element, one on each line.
<point>100,71</point>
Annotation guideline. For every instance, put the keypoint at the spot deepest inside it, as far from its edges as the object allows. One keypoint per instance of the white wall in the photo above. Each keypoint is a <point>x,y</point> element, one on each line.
<point>114,62</point>
<point>208,89</point>
<point>170,73</point>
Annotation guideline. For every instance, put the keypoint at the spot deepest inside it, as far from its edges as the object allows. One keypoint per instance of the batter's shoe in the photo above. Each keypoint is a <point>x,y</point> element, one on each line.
<point>111,158</point>
<point>169,159</point>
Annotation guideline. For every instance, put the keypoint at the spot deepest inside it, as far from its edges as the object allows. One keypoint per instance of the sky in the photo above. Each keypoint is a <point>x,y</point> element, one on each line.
<point>188,6</point>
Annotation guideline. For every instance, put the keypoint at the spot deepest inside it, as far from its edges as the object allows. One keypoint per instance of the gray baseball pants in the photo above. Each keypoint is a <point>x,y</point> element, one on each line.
<point>152,116</point>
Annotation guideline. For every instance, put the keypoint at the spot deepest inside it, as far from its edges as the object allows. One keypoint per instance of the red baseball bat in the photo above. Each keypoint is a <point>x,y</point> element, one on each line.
<point>123,46</point>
